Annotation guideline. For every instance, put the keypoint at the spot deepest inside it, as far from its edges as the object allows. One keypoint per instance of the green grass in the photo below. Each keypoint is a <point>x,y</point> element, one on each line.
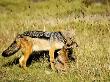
<point>91,33</point>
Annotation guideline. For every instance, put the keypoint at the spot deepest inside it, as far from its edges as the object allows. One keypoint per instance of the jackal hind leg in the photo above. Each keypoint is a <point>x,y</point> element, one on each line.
<point>26,49</point>
<point>23,59</point>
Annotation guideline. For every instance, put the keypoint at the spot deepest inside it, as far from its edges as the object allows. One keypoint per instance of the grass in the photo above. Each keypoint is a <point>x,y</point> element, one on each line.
<point>92,33</point>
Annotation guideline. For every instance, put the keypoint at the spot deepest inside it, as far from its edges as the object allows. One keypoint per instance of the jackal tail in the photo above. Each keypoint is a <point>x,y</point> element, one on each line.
<point>12,49</point>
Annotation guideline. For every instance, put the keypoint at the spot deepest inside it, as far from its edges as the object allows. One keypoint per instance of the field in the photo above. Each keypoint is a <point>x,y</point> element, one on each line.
<point>90,22</point>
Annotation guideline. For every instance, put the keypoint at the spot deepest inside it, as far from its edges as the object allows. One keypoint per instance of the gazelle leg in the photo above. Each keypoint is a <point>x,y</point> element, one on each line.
<point>63,58</point>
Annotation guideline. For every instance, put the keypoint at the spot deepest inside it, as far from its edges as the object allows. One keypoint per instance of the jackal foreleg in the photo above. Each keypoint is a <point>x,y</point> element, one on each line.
<point>51,54</point>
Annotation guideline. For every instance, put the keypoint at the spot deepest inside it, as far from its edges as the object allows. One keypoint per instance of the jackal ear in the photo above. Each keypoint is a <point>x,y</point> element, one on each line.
<point>69,32</point>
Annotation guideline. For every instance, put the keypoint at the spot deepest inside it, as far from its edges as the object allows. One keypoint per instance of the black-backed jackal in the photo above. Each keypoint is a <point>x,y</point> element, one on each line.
<point>30,41</point>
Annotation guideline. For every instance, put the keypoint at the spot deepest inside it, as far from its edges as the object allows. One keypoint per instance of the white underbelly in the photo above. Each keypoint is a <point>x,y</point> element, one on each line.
<point>42,44</point>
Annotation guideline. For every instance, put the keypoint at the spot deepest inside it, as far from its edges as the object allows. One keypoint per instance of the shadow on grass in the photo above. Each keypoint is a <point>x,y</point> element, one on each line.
<point>37,56</point>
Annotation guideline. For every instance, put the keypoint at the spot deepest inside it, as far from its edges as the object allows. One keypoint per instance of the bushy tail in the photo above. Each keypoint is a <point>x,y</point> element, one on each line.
<point>12,49</point>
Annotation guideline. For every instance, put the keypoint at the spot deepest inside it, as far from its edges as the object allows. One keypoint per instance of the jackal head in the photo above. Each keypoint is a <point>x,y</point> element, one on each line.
<point>70,39</point>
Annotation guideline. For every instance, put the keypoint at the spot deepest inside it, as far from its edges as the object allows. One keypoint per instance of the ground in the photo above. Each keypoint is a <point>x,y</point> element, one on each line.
<point>91,25</point>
